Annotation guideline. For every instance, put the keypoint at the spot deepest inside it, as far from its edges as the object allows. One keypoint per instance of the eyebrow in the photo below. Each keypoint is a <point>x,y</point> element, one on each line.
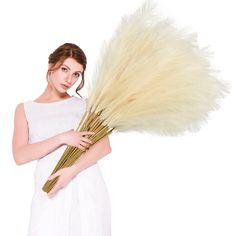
<point>69,68</point>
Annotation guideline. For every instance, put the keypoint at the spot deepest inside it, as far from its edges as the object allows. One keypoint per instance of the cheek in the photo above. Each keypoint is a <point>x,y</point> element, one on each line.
<point>78,80</point>
<point>57,77</point>
<point>74,81</point>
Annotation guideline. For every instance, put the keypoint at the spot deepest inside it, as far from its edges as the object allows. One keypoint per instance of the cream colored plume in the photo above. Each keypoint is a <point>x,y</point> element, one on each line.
<point>154,77</point>
<point>151,77</point>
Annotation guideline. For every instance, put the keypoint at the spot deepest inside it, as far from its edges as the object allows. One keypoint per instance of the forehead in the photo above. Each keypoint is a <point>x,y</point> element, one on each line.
<point>73,64</point>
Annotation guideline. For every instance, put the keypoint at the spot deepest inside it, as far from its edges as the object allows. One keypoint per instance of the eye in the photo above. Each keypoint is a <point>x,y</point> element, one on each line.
<point>64,69</point>
<point>77,75</point>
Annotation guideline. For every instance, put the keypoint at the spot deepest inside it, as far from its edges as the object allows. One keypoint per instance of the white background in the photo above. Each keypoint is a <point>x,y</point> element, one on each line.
<point>158,185</point>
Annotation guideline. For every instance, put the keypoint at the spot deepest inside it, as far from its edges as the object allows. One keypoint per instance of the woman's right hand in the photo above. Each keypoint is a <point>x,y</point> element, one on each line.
<point>76,139</point>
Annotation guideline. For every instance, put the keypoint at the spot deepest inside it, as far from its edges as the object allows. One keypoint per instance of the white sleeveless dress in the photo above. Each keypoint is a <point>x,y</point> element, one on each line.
<point>82,208</point>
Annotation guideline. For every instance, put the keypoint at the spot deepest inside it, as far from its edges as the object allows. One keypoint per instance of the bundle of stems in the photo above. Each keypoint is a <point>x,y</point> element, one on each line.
<point>91,122</point>
<point>151,77</point>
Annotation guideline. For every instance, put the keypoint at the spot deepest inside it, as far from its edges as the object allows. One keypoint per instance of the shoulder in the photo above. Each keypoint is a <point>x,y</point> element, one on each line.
<point>20,111</point>
<point>19,107</point>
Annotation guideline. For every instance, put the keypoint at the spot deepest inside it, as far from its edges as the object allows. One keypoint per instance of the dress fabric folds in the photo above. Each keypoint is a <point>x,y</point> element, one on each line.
<point>81,208</point>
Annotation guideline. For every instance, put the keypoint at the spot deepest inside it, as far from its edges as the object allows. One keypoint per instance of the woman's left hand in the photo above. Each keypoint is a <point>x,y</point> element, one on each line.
<point>65,176</point>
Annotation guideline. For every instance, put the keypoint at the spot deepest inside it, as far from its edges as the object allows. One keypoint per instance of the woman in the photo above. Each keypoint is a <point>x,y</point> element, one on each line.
<point>78,205</point>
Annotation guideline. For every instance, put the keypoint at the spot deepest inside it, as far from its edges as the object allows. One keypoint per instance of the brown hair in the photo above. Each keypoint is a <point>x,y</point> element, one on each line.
<point>62,53</point>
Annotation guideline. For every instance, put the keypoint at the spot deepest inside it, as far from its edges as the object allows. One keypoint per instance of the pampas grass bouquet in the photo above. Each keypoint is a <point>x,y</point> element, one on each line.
<point>151,77</point>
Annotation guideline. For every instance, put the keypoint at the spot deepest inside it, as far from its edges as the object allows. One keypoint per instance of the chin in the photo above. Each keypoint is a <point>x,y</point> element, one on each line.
<point>62,91</point>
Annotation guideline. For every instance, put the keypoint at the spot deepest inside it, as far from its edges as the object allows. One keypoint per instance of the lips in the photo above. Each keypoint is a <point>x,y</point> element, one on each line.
<point>65,86</point>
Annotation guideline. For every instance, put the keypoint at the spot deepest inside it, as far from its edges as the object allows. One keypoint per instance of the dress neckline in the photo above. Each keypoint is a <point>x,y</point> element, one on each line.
<point>55,102</point>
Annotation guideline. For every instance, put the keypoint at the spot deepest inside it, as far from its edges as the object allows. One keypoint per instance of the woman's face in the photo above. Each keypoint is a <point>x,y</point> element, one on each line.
<point>66,75</point>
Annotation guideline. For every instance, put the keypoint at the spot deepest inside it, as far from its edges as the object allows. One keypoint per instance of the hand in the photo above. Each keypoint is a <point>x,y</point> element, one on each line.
<point>65,176</point>
<point>76,139</point>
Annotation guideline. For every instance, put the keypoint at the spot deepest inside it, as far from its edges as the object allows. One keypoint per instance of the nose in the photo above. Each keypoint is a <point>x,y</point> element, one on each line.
<point>68,78</point>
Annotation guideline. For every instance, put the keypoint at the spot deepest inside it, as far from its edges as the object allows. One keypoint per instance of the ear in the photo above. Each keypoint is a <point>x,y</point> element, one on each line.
<point>49,66</point>
<point>50,72</point>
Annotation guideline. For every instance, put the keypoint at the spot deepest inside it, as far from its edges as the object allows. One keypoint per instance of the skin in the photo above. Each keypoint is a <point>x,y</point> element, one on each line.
<point>67,74</point>
<point>23,152</point>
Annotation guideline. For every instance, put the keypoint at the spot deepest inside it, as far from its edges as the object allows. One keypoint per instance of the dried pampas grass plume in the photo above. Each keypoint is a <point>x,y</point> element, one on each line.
<point>150,77</point>
<point>153,77</point>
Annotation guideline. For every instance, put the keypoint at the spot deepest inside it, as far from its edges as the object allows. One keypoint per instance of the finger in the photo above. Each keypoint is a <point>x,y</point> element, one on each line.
<point>51,177</point>
<point>90,132</point>
<point>85,144</point>
<point>87,132</point>
<point>54,175</point>
<point>54,190</point>
<point>87,140</point>
<point>52,193</point>
<point>81,147</point>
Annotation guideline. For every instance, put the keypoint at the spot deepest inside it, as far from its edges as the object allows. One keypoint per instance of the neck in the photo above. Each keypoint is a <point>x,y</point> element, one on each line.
<point>51,93</point>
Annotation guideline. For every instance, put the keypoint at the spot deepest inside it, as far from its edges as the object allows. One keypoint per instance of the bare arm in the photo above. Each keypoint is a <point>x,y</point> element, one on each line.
<point>24,152</point>
<point>87,159</point>
<point>92,155</point>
